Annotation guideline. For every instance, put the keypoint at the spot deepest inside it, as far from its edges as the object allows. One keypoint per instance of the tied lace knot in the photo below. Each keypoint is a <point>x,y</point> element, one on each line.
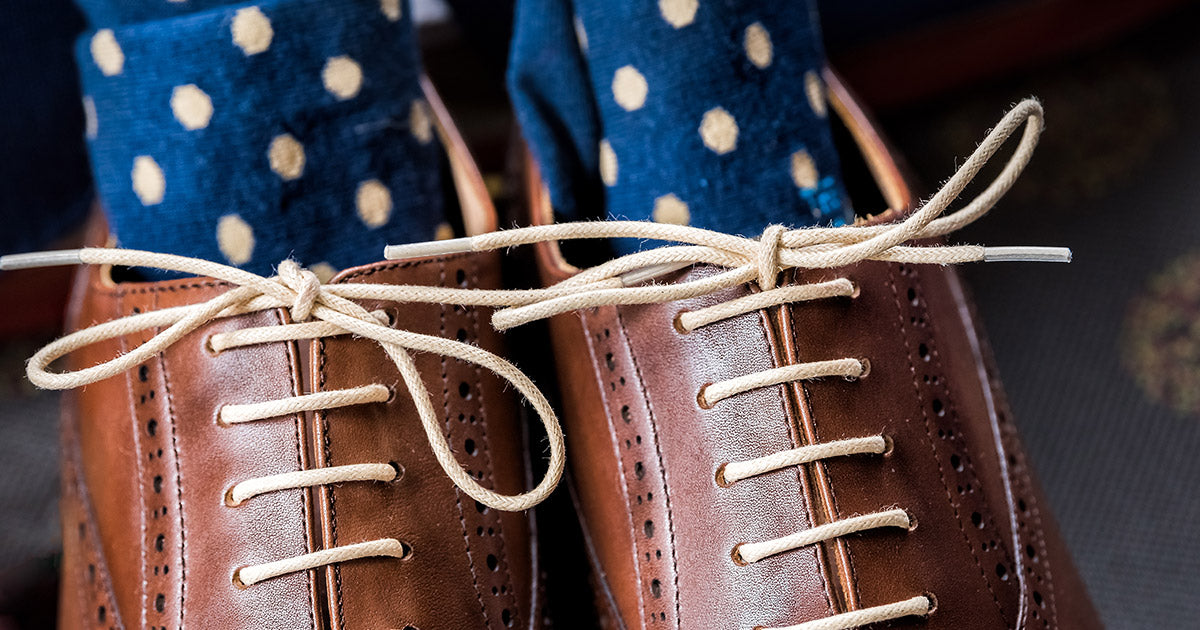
<point>768,262</point>
<point>305,284</point>
<point>333,309</point>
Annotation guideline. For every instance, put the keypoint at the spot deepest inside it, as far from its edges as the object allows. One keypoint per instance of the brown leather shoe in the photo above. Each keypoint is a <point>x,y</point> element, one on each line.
<point>832,459</point>
<point>257,472</point>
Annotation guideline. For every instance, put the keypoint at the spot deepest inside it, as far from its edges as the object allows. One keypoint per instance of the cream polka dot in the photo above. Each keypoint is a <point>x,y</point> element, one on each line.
<point>391,9</point>
<point>608,164</point>
<point>629,88</point>
<point>581,35</point>
<point>148,181</point>
<point>286,156</point>
<point>374,202</point>
<point>815,90</point>
<point>719,130</point>
<point>252,30</point>
<point>235,239</point>
<point>193,108</point>
<point>804,171</point>
<point>678,13</point>
<point>419,122</point>
<point>343,77</point>
<point>91,125</point>
<point>107,53</point>
<point>444,232</point>
<point>758,45</point>
<point>671,209</point>
<point>324,271</point>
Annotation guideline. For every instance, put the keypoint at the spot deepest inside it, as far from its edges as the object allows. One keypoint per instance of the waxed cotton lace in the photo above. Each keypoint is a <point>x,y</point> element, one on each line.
<point>631,279</point>
<point>332,313</point>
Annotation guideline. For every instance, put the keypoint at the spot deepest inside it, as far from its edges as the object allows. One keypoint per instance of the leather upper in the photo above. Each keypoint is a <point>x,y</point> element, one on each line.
<point>645,454</point>
<point>150,539</point>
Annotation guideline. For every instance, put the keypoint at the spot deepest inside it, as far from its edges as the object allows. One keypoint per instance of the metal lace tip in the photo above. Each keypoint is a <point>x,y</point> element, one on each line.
<point>34,260</point>
<point>646,274</point>
<point>1027,254</point>
<point>429,248</point>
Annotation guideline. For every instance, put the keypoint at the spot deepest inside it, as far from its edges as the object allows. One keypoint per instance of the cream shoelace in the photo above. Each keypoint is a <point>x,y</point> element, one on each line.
<point>331,314</point>
<point>627,280</point>
<point>630,279</point>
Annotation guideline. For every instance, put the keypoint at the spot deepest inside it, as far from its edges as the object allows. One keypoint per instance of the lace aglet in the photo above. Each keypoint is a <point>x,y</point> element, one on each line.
<point>429,248</point>
<point>34,260</point>
<point>1027,254</point>
<point>645,274</point>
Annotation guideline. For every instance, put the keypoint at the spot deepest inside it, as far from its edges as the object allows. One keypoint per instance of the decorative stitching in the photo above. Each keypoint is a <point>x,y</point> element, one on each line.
<point>616,447</point>
<point>659,458</point>
<point>462,519</point>
<point>799,471</point>
<point>169,403</point>
<point>929,431</point>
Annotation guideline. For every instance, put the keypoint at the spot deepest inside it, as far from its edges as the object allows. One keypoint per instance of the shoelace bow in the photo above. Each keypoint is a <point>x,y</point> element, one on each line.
<point>630,279</point>
<point>319,311</point>
<point>626,280</point>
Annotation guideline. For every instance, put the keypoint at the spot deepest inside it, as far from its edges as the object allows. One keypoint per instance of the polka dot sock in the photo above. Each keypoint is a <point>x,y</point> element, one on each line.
<point>250,133</point>
<point>704,112</point>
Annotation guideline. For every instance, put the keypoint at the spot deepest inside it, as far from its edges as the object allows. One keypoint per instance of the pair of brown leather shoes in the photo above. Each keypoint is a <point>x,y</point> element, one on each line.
<point>755,453</point>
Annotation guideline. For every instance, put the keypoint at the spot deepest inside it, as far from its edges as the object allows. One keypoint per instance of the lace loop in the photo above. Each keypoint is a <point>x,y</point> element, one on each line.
<point>295,289</point>
<point>746,259</point>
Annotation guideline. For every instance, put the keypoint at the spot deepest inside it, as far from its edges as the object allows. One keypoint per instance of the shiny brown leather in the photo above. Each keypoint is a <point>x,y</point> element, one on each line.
<point>645,454</point>
<point>149,541</point>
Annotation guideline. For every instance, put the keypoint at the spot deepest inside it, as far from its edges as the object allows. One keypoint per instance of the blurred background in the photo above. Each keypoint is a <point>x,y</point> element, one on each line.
<point>1101,358</point>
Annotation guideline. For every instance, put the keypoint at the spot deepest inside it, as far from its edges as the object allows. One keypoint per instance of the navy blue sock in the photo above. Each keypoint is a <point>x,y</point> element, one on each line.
<point>702,112</point>
<point>251,132</point>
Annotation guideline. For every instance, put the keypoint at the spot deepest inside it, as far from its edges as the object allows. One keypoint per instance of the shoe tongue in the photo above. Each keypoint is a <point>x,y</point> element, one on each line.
<point>250,134</point>
<point>709,113</point>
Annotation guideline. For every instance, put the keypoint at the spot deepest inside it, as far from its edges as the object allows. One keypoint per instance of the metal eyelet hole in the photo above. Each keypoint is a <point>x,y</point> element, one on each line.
<point>237,580</point>
<point>399,471</point>
<point>933,603</point>
<point>701,400</point>
<point>855,290</point>
<point>407,550</point>
<point>912,521</point>
<point>391,394</point>
<point>678,322</point>
<point>888,446</point>
<point>720,476</point>
<point>736,555</point>
<point>229,500</point>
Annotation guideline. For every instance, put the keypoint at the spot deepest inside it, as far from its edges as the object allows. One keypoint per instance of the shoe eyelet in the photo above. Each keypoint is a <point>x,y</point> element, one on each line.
<point>229,500</point>
<point>933,603</point>
<point>701,400</point>
<point>237,579</point>
<point>399,471</point>
<point>678,323</point>
<point>208,347</point>
<point>866,370</point>
<point>720,476</point>
<point>736,555</point>
<point>888,446</point>
<point>912,521</point>
<point>408,551</point>
<point>391,394</point>
<point>219,420</point>
<point>855,290</point>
